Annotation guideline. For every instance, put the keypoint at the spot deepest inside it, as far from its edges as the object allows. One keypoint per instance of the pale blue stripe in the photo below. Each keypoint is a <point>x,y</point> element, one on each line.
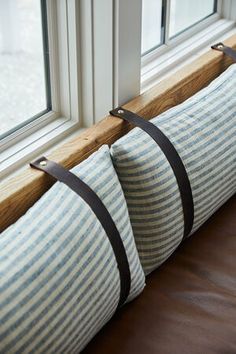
<point>21,227</point>
<point>127,173</point>
<point>213,174</point>
<point>198,115</point>
<point>173,186</point>
<point>204,147</point>
<point>212,201</point>
<point>62,263</point>
<point>217,204</point>
<point>92,301</point>
<point>145,239</point>
<point>158,225</point>
<point>153,186</point>
<point>103,312</point>
<point>149,259</point>
<point>50,242</point>
<point>157,209</point>
<point>215,187</point>
<point>57,312</point>
<point>133,154</point>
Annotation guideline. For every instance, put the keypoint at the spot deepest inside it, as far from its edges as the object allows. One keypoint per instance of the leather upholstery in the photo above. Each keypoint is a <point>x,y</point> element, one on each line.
<point>189,303</point>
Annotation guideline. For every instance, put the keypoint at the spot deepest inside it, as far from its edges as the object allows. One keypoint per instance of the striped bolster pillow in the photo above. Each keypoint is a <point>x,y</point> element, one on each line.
<point>203,131</point>
<point>59,278</point>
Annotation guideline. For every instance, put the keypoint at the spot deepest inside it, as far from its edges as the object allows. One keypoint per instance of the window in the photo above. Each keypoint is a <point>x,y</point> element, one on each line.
<point>184,14</point>
<point>64,64</point>
<point>173,31</point>
<point>24,63</point>
<point>165,19</point>
<point>152,24</point>
<point>39,77</point>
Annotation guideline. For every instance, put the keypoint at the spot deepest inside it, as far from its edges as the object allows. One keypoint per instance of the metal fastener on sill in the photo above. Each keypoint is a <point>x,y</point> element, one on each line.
<point>43,163</point>
<point>218,46</point>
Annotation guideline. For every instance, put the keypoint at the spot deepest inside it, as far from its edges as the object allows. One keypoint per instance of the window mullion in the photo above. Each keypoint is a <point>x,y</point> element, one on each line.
<point>86,62</point>
<point>166,9</point>
<point>111,55</point>
<point>127,50</point>
<point>53,57</point>
<point>228,9</point>
<point>102,57</point>
<point>74,58</point>
<point>63,47</point>
<point>96,59</point>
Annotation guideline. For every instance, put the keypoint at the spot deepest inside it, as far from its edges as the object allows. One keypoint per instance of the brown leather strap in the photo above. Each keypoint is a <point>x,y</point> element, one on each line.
<point>226,50</point>
<point>174,160</point>
<point>90,197</point>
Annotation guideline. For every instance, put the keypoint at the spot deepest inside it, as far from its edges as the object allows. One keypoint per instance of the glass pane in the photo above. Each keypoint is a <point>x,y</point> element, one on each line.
<point>23,82</point>
<point>185,13</point>
<point>152,27</point>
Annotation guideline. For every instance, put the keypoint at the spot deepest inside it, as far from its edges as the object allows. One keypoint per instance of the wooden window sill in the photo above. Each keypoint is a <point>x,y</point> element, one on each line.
<point>19,193</point>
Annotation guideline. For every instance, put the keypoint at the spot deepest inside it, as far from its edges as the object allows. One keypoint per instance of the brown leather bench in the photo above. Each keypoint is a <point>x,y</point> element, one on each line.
<point>189,303</point>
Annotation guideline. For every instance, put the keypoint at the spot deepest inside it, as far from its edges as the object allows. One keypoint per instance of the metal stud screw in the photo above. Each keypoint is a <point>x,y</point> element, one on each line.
<point>120,111</point>
<point>43,163</point>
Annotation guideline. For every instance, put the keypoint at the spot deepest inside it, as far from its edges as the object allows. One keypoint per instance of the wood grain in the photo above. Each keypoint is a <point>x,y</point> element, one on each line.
<point>22,191</point>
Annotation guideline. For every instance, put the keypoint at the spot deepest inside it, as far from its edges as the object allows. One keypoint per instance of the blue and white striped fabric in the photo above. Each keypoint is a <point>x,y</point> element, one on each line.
<point>59,282</point>
<point>203,131</point>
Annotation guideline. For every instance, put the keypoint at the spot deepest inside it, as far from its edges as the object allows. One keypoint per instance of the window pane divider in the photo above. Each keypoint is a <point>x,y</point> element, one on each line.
<point>166,21</point>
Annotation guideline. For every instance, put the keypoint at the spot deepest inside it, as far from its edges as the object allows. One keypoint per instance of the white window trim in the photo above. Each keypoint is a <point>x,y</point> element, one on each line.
<point>110,40</point>
<point>127,49</point>
<point>183,48</point>
<point>64,118</point>
<point>228,9</point>
<point>115,46</point>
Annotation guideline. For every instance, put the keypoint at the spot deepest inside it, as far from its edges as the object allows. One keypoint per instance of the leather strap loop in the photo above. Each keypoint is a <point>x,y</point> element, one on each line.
<point>226,50</point>
<point>174,160</point>
<point>90,197</point>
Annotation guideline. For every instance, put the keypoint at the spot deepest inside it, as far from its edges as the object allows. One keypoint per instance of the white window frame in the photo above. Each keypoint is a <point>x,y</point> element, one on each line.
<point>42,133</point>
<point>118,72</point>
<point>179,50</point>
<point>110,41</point>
